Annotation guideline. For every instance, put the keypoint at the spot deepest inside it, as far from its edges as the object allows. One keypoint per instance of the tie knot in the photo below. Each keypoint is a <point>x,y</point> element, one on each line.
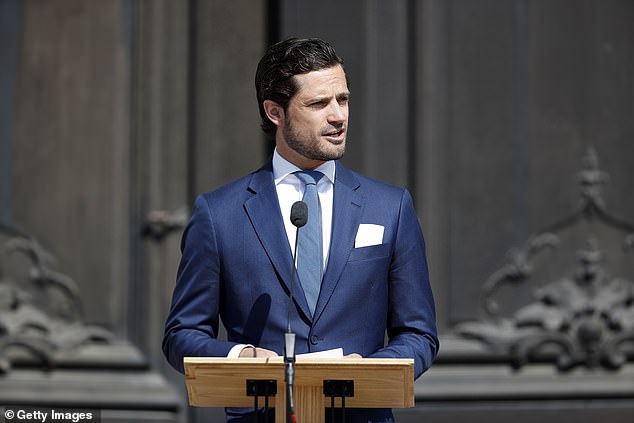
<point>309,177</point>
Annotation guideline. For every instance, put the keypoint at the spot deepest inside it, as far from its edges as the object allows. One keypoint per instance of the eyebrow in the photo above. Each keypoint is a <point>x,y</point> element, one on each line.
<point>319,98</point>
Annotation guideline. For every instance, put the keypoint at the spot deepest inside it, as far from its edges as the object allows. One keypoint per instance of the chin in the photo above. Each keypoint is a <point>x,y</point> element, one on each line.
<point>335,154</point>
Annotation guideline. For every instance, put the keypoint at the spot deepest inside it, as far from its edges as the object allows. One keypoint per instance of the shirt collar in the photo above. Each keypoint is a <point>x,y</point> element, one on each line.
<point>282,168</point>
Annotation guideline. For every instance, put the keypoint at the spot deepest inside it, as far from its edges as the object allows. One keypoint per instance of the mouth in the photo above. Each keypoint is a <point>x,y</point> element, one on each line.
<point>336,136</point>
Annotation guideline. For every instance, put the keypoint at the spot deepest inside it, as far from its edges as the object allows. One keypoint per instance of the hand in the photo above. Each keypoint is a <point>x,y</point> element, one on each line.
<point>257,352</point>
<point>353,355</point>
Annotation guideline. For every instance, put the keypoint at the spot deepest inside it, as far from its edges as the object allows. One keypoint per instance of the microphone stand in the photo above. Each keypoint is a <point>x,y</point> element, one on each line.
<point>298,217</point>
<point>289,377</point>
<point>289,350</point>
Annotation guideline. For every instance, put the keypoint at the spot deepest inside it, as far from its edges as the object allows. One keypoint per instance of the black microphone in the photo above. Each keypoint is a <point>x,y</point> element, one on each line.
<point>299,217</point>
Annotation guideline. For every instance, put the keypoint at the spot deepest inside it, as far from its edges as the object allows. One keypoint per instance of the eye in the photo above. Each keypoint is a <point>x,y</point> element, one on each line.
<point>318,104</point>
<point>343,99</point>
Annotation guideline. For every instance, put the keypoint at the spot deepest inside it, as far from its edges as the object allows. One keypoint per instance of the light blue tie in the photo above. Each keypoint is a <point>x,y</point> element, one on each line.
<point>309,249</point>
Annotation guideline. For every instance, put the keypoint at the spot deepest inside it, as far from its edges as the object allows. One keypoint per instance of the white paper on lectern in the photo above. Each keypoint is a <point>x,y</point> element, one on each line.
<point>334,353</point>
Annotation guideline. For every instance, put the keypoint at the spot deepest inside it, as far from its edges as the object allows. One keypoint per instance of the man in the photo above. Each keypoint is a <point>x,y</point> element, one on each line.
<point>237,259</point>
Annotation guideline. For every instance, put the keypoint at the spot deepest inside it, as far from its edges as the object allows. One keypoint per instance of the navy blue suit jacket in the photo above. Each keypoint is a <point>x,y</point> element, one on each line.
<point>237,265</point>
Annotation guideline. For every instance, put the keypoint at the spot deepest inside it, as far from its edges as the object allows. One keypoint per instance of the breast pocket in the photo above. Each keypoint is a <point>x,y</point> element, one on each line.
<point>373,252</point>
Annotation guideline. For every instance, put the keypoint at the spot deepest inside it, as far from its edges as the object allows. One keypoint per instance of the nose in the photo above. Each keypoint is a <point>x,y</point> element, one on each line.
<point>338,112</point>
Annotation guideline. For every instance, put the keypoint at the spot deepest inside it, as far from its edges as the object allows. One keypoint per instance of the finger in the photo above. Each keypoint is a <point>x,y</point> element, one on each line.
<point>263,352</point>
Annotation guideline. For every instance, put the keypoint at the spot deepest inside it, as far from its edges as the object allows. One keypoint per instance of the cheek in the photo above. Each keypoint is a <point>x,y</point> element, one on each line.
<point>311,125</point>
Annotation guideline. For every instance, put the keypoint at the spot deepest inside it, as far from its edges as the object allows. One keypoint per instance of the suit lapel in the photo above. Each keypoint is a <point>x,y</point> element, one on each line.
<point>263,209</point>
<point>347,208</point>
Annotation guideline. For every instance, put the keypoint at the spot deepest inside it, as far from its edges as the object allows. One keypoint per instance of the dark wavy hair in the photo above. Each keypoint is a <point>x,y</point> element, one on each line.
<point>283,60</point>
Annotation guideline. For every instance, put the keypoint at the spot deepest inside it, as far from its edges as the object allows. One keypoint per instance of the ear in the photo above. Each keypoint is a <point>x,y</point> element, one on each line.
<point>274,111</point>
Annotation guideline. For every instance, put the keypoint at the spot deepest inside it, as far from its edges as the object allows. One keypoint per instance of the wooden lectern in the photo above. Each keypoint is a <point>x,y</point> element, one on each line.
<point>378,383</point>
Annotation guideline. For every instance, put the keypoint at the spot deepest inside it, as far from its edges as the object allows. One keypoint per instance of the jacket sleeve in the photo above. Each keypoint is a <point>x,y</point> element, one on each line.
<point>411,324</point>
<point>191,328</point>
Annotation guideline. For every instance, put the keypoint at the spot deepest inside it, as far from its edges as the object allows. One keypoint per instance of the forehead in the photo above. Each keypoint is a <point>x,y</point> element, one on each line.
<point>322,82</point>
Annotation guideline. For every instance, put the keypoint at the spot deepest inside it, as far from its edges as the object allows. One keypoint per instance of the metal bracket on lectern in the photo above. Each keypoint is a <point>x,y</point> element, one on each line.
<point>339,388</point>
<point>261,388</point>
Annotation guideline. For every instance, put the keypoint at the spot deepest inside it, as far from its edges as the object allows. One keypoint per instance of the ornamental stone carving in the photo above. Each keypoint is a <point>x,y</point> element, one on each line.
<point>582,317</point>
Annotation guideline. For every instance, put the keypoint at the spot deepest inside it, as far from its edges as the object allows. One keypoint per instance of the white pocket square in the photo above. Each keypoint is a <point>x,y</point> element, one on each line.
<point>369,234</point>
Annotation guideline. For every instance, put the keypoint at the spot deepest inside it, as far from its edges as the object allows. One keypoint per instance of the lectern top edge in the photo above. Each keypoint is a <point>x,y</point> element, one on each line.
<point>317,361</point>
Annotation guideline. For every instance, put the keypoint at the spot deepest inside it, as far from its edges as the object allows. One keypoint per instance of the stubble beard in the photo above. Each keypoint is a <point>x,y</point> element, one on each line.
<point>312,147</point>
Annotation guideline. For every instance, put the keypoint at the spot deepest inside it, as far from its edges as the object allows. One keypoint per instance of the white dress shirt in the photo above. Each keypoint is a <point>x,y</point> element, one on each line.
<point>289,190</point>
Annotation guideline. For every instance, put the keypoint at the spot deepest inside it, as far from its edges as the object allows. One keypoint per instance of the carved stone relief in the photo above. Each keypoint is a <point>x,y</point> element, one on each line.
<point>582,317</point>
<point>40,308</point>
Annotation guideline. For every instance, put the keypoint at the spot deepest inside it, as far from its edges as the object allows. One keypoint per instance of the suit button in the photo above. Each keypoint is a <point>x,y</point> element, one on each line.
<point>314,340</point>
